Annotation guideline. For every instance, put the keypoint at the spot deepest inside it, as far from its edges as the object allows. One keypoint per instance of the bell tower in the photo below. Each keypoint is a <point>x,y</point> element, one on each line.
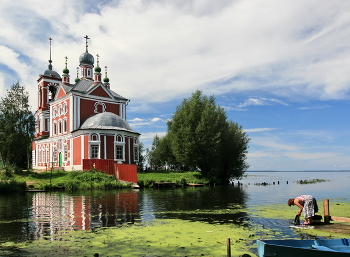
<point>47,86</point>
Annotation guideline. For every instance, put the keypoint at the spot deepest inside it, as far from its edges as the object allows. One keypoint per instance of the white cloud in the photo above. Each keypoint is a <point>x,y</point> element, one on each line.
<point>150,135</point>
<point>309,156</point>
<point>160,51</point>
<point>136,119</point>
<point>273,144</point>
<point>157,50</point>
<point>314,107</point>
<point>258,130</point>
<point>260,101</point>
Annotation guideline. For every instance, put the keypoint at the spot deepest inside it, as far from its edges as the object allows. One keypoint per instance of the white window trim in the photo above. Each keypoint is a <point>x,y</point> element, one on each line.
<point>122,144</point>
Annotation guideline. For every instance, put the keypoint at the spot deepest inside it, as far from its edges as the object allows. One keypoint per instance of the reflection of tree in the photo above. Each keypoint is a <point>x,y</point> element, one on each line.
<point>14,212</point>
<point>211,204</point>
<point>30,216</point>
<point>115,208</point>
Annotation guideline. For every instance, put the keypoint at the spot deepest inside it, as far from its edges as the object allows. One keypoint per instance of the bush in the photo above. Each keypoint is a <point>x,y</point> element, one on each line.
<point>9,171</point>
<point>12,185</point>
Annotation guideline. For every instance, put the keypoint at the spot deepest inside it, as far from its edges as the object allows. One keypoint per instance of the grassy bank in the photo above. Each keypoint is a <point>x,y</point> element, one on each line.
<point>72,180</point>
<point>148,179</point>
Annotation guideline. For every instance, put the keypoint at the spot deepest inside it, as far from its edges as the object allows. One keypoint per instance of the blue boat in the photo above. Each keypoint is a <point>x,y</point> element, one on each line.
<point>304,248</point>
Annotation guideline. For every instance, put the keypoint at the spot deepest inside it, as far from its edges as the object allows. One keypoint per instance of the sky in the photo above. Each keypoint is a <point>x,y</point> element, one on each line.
<point>280,69</point>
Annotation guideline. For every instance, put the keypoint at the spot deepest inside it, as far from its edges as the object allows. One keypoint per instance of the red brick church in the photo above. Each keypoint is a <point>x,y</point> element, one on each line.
<point>81,124</point>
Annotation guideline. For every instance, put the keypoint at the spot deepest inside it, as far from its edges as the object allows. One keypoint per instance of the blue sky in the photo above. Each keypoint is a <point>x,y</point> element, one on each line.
<point>279,68</point>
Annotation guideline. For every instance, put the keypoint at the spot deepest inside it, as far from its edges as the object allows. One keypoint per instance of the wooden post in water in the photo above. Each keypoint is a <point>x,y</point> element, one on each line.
<point>228,247</point>
<point>327,217</point>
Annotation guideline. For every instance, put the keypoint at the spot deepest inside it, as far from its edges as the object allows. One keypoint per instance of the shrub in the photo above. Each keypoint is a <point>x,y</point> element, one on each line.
<point>12,185</point>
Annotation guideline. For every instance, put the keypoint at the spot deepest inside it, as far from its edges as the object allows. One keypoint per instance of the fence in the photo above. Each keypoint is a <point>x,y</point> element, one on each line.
<point>328,217</point>
<point>125,172</point>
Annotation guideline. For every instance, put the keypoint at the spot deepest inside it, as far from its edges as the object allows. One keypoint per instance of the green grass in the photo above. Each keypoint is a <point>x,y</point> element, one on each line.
<point>69,180</point>
<point>179,178</point>
<point>74,180</point>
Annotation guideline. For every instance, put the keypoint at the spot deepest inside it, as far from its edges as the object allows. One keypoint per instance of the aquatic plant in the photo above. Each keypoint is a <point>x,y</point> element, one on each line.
<point>311,181</point>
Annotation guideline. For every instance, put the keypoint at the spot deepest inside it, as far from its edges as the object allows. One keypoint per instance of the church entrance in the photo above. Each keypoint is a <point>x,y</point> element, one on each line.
<point>60,160</point>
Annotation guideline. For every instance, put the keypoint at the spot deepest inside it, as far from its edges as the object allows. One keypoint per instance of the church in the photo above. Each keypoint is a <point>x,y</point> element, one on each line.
<point>82,125</point>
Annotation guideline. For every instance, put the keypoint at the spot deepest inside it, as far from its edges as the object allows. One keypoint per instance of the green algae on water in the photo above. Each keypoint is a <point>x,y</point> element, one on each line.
<point>171,237</point>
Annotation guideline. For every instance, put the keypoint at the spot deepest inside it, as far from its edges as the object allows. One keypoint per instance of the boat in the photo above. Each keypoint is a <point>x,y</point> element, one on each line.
<point>304,248</point>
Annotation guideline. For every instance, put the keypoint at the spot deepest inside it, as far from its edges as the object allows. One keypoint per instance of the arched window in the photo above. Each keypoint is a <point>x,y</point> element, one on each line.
<point>94,137</point>
<point>54,111</point>
<point>65,125</point>
<point>119,146</point>
<point>59,111</point>
<point>119,138</point>
<point>65,110</point>
<point>99,107</point>
<point>60,127</point>
<point>52,91</point>
<point>54,128</point>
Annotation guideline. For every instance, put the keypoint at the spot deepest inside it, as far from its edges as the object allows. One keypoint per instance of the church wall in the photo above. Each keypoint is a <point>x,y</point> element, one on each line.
<point>102,147</point>
<point>110,147</point>
<point>86,148</point>
<point>99,91</point>
<point>89,107</point>
<point>86,109</point>
<point>77,151</point>
<point>127,150</point>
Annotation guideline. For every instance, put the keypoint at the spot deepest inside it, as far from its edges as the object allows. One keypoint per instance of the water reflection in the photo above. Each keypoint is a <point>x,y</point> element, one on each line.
<point>209,204</point>
<point>34,215</point>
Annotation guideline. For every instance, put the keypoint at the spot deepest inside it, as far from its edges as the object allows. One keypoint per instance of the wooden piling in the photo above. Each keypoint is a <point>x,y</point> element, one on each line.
<point>326,215</point>
<point>228,247</point>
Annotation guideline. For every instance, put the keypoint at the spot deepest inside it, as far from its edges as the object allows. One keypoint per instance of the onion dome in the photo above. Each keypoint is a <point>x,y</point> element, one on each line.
<point>106,79</point>
<point>77,79</point>
<point>97,69</point>
<point>86,59</point>
<point>65,71</point>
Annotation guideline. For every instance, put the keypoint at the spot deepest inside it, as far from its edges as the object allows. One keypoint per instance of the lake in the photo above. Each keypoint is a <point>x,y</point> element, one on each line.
<point>29,216</point>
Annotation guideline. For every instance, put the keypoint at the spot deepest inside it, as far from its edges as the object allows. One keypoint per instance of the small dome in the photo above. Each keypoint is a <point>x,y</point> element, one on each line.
<point>65,71</point>
<point>106,80</point>
<point>86,59</point>
<point>105,120</point>
<point>77,80</point>
<point>51,73</point>
<point>97,69</point>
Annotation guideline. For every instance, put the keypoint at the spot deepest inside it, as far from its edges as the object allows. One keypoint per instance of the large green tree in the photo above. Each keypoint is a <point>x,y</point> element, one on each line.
<point>201,137</point>
<point>16,127</point>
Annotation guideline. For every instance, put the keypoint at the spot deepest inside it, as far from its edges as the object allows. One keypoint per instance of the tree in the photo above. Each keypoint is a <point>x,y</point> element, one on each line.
<point>200,137</point>
<point>16,127</point>
<point>161,153</point>
<point>141,157</point>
